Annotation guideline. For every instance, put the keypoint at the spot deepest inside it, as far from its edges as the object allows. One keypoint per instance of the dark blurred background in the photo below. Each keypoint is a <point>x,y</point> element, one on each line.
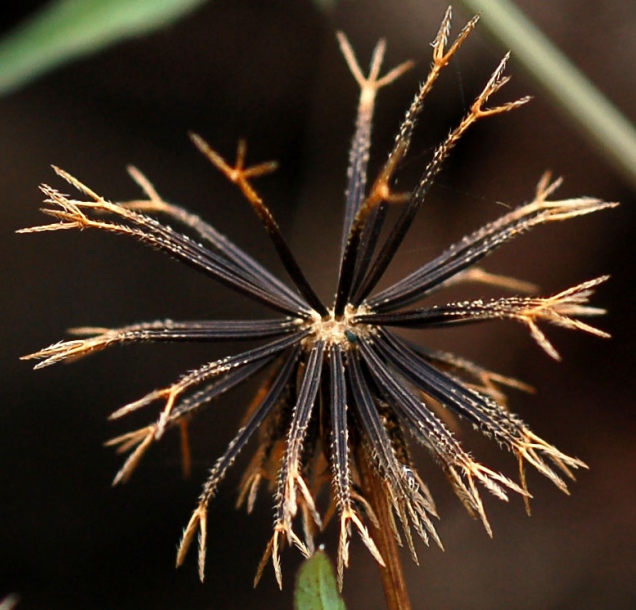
<point>271,72</point>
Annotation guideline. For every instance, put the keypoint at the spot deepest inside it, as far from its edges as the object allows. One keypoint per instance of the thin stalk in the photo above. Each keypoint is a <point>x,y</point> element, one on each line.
<point>393,583</point>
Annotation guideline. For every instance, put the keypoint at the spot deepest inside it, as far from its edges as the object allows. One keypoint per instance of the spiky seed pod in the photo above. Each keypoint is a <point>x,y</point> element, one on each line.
<point>343,392</point>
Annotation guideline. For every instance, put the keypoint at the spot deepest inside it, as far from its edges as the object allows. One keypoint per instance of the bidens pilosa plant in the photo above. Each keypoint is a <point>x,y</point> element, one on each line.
<point>341,393</point>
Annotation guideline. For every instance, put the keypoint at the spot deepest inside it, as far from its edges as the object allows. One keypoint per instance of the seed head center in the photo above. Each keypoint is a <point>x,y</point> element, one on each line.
<point>342,330</point>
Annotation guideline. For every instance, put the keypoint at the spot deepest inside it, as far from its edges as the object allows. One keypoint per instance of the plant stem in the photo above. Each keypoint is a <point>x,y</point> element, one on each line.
<point>395,592</point>
<point>573,93</point>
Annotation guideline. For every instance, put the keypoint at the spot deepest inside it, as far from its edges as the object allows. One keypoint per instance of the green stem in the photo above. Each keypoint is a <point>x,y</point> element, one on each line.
<point>601,122</point>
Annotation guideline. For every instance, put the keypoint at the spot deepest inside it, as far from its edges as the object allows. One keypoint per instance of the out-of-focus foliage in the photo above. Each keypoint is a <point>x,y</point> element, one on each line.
<point>316,585</point>
<point>68,29</point>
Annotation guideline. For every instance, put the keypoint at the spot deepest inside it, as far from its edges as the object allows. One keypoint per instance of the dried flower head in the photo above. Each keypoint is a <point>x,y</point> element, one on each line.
<point>343,393</point>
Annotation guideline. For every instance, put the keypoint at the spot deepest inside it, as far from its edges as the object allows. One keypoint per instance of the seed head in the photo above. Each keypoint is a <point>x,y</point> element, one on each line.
<point>343,394</point>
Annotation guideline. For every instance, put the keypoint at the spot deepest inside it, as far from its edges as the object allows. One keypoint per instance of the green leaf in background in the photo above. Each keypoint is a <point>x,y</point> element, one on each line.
<point>67,29</point>
<point>9,602</point>
<point>316,587</point>
<point>610,132</point>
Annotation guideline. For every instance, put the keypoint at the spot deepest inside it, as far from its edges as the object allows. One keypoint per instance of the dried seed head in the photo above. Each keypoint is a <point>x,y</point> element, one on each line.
<point>343,393</point>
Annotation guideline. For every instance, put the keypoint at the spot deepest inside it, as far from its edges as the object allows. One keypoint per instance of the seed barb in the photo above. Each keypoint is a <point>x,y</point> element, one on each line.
<point>240,176</point>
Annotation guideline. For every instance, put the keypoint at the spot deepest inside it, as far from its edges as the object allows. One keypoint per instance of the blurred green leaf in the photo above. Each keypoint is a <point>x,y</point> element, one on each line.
<point>67,29</point>
<point>9,602</point>
<point>316,587</point>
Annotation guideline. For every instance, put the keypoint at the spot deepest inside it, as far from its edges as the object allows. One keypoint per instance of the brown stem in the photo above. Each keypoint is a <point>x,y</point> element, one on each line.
<point>186,454</point>
<point>395,592</point>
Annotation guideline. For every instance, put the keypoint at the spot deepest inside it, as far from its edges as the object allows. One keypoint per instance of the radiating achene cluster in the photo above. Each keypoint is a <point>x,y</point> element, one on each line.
<point>340,392</point>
